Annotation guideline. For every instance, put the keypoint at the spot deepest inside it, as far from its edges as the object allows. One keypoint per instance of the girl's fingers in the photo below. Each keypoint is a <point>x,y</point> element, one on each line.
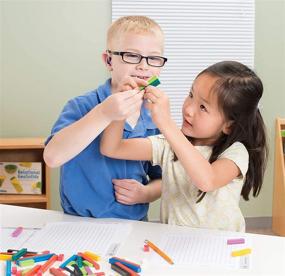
<point>150,97</point>
<point>124,182</point>
<point>121,191</point>
<point>153,90</point>
<point>148,105</point>
<point>122,198</point>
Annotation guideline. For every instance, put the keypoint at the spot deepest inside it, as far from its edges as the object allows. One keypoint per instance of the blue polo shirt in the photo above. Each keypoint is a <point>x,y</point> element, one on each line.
<point>86,187</point>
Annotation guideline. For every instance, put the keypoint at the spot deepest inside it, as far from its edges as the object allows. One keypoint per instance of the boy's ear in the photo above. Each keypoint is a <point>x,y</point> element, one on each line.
<point>107,61</point>
<point>227,128</point>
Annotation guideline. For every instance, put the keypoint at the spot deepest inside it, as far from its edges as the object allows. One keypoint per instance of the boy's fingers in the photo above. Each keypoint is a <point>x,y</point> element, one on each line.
<point>128,94</point>
<point>135,107</point>
<point>132,98</point>
<point>124,87</point>
<point>140,82</point>
<point>135,82</point>
<point>128,83</point>
<point>128,87</point>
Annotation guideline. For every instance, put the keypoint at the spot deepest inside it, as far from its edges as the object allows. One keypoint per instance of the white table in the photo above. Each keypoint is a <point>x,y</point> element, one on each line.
<point>268,257</point>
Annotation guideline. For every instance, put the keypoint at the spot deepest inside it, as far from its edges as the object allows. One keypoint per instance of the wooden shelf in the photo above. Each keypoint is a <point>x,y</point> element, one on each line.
<point>22,143</point>
<point>278,210</point>
<point>6,199</point>
<point>26,150</point>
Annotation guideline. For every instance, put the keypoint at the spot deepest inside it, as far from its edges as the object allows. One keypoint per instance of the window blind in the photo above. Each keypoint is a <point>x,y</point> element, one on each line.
<point>197,34</point>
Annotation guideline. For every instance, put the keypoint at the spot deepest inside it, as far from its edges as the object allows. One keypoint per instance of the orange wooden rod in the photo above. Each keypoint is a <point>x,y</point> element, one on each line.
<point>90,260</point>
<point>159,252</point>
<point>48,263</point>
<point>33,271</point>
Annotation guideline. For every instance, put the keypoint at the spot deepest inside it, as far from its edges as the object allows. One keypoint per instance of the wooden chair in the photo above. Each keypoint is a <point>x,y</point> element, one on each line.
<point>278,211</point>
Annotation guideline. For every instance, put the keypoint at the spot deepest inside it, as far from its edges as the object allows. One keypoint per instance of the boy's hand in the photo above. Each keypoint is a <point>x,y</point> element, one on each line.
<point>130,83</point>
<point>126,101</point>
<point>158,104</point>
<point>120,106</point>
<point>129,191</point>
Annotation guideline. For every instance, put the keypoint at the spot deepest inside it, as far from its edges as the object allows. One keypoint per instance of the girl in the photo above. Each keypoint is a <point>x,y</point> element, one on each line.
<point>219,154</point>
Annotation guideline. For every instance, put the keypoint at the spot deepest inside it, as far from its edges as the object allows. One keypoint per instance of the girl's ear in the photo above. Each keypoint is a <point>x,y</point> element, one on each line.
<point>106,59</point>
<point>227,127</point>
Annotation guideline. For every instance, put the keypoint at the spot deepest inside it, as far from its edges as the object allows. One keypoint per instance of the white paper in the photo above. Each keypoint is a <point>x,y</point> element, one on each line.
<point>9,242</point>
<point>69,237</point>
<point>201,250</point>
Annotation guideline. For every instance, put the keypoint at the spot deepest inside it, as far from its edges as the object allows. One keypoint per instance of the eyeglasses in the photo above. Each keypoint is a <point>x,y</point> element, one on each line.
<point>134,58</point>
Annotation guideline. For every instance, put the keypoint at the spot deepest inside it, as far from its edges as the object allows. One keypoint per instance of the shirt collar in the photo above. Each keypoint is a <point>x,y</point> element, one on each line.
<point>144,121</point>
<point>104,91</point>
<point>146,116</point>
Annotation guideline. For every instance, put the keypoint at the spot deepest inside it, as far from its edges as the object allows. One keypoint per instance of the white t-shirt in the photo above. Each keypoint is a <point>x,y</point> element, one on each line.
<point>219,209</point>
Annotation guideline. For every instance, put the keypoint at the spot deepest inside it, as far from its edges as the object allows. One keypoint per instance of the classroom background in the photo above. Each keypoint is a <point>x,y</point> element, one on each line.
<point>51,51</point>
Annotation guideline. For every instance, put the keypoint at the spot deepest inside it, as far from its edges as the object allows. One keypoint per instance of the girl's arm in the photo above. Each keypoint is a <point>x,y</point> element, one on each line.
<point>206,176</point>
<point>112,144</point>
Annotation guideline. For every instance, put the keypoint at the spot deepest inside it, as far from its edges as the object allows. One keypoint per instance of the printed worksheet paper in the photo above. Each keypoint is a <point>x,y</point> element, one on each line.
<point>202,250</point>
<point>69,237</point>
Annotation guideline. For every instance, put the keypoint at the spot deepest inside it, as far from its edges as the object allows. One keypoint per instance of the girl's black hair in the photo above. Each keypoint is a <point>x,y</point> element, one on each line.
<point>239,90</point>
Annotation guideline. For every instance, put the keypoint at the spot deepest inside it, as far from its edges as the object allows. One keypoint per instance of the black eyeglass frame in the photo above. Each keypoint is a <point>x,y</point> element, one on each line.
<point>141,57</point>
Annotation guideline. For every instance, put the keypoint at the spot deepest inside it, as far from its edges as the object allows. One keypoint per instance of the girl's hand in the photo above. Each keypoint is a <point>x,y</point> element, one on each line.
<point>129,191</point>
<point>158,104</point>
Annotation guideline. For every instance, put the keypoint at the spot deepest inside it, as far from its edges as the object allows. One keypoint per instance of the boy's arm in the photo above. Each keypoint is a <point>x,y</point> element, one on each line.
<point>71,140</point>
<point>112,144</point>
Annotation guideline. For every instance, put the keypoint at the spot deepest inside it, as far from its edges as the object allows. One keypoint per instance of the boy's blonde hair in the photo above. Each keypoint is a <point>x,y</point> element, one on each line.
<point>136,24</point>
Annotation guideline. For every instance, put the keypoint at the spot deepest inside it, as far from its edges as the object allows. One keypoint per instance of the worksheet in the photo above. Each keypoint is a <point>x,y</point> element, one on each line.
<point>72,237</point>
<point>202,250</point>
<point>7,241</point>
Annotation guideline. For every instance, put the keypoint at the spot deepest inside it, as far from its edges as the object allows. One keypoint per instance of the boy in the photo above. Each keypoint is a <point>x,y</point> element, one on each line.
<point>91,184</point>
